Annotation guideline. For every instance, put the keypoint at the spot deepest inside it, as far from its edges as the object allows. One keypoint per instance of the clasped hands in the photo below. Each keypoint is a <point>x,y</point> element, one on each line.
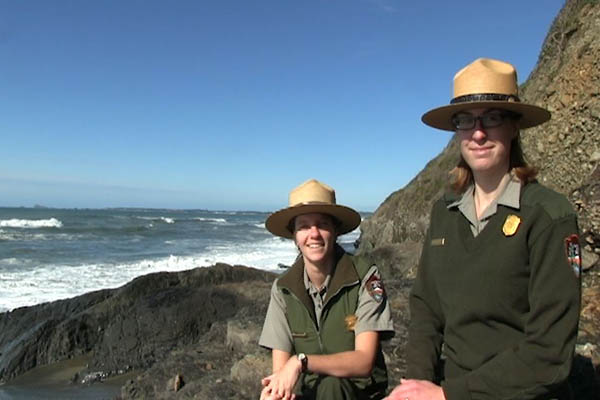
<point>280,385</point>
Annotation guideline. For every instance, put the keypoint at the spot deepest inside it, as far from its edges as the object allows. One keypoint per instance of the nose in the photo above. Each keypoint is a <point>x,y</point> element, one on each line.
<point>314,230</point>
<point>479,133</point>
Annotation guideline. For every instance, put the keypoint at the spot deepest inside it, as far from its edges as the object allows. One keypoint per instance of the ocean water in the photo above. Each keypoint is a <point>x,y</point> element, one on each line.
<point>51,254</point>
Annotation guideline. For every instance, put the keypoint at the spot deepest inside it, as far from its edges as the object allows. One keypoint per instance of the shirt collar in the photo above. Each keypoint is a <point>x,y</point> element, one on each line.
<point>509,197</point>
<point>312,289</point>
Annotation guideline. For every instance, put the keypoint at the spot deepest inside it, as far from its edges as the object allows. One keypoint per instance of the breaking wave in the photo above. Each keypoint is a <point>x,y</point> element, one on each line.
<point>31,223</point>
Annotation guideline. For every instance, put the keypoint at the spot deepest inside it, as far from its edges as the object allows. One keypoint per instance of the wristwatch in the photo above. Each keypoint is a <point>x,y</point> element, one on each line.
<point>303,360</point>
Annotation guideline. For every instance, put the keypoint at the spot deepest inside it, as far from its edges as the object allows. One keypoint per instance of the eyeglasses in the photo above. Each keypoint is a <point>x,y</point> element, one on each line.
<point>488,120</point>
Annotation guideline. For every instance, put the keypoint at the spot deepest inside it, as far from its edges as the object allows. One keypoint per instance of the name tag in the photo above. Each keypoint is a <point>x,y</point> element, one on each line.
<point>300,335</point>
<point>438,242</point>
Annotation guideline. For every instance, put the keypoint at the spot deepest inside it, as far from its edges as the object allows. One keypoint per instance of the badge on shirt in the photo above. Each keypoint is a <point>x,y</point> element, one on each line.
<point>511,224</point>
<point>375,288</point>
<point>350,321</point>
<point>573,253</point>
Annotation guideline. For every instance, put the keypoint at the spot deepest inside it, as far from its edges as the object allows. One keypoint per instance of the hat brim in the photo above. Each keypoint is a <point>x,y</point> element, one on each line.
<point>441,117</point>
<point>278,222</point>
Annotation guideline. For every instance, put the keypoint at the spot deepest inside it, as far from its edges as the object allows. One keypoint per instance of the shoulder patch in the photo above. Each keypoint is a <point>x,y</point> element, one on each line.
<point>573,253</point>
<point>375,288</point>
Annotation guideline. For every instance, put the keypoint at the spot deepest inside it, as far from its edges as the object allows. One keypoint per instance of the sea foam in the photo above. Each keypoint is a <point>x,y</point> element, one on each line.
<point>217,220</point>
<point>166,220</point>
<point>99,251</point>
<point>26,286</point>
<point>31,223</point>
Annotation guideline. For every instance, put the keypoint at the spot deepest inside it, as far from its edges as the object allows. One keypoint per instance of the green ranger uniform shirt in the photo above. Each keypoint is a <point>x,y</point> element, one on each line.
<point>501,307</point>
<point>302,319</point>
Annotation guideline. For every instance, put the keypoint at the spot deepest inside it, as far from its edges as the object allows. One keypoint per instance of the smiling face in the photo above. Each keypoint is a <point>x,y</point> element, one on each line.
<point>315,236</point>
<point>487,150</point>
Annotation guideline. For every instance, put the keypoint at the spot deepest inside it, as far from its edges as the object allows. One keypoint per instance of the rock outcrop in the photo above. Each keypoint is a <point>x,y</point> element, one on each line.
<point>144,324</point>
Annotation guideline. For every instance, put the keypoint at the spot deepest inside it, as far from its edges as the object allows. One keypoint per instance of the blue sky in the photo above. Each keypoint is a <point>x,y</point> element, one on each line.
<point>229,104</point>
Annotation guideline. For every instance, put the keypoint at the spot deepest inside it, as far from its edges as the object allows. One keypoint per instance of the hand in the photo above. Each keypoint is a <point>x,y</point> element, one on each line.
<point>413,389</point>
<point>266,393</point>
<point>280,385</point>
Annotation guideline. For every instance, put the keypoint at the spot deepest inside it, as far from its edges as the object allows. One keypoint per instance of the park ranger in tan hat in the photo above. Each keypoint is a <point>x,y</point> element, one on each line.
<point>312,197</point>
<point>497,293</point>
<point>329,311</point>
<point>486,83</point>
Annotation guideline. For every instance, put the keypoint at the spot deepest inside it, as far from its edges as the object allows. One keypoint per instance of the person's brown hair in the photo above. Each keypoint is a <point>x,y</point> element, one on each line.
<point>462,176</point>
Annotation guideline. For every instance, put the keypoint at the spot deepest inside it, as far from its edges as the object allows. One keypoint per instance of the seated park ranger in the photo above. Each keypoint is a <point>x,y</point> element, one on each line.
<point>329,311</point>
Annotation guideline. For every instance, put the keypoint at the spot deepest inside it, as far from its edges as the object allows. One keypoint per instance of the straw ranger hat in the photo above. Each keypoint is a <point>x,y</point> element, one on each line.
<point>312,197</point>
<point>486,83</point>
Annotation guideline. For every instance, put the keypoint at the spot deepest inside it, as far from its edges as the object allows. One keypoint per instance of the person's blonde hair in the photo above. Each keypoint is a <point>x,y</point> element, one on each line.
<point>462,176</point>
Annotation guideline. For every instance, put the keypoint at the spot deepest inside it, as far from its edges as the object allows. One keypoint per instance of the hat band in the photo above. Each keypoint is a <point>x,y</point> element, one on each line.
<point>475,98</point>
<point>313,203</point>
